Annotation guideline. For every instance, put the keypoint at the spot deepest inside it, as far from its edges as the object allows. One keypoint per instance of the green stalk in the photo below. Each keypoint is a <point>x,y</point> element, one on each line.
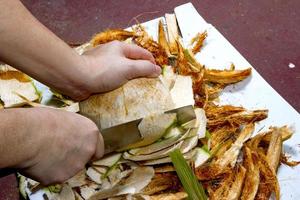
<point>191,185</point>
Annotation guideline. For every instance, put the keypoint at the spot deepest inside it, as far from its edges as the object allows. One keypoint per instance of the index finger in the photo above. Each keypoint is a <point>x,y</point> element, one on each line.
<point>136,52</point>
<point>99,148</point>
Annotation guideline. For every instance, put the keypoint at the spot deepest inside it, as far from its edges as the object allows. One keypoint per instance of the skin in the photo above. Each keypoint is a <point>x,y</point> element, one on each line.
<point>50,145</point>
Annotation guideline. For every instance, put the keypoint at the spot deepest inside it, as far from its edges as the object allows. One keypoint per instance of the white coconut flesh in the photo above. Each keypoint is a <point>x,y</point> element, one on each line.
<point>158,154</point>
<point>188,156</point>
<point>182,91</point>
<point>13,84</point>
<point>139,179</point>
<point>199,123</point>
<point>159,145</point>
<point>136,99</point>
<point>78,180</point>
<point>153,128</point>
<point>173,131</point>
<point>109,160</point>
<point>200,156</point>
<point>94,175</point>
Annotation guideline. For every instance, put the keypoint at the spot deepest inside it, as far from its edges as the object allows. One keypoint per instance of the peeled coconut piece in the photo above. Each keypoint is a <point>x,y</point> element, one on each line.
<point>186,142</point>
<point>189,144</point>
<point>136,99</point>
<point>86,192</point>
<point>157,161</point>
<point>32,185</point>
<point>66,193</point>
<point>12,83</point>
<point>100,169</point>
<point>22,186</point>
<point>159,154</point>
<point>174,131</point>
<point>200,157</point>
<point>105,184</point>
<point>78,180</point>
<point>168,77</point>
<point>184,146</point>
<point>187,156</point>
<point>94,175</point>
<point>182,91</point>
<point>131,197</point>
<point>159,145</point>
<point>116,176</point>
<point>153,128</point>
<point>199,123</point>
<point>108,160</point>
<point>140,178</point>
<point>77,196</point>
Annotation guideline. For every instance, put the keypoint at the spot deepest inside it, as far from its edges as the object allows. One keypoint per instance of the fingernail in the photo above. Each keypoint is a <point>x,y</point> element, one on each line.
<point>157,70</point>
<point>153,61</point>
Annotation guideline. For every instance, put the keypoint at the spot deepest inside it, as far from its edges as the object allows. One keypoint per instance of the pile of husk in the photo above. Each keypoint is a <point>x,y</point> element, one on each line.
<point>220,147</point>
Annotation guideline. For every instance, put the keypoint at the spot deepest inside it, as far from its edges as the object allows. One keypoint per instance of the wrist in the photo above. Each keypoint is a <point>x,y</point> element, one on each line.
<point>84,81</point>
<point>75,78</point>
<point>33,137</point>
<point>40,126</point>
<point>81,87</point>
<point>19,137</point>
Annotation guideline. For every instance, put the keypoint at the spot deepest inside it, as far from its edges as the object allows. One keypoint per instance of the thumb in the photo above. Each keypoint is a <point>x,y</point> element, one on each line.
<point>99,148</point>
<point>141,68</point>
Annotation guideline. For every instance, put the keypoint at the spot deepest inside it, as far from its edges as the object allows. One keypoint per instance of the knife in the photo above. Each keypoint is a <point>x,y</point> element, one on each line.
<point>120,136</point>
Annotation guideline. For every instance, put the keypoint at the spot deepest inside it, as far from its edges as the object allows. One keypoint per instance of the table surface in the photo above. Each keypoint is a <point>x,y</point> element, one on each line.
<point>265,32</point>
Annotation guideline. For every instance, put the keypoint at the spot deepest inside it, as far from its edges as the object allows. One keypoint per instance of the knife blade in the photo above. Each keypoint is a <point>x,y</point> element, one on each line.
<point>120,136</point>
<point>184,114</point>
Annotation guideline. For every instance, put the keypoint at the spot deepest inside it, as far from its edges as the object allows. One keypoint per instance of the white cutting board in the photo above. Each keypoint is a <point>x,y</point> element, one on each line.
<point>252,93</point>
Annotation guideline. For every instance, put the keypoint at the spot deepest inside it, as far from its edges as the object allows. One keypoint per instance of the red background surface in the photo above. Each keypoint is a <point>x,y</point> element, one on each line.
<point>266,32</point>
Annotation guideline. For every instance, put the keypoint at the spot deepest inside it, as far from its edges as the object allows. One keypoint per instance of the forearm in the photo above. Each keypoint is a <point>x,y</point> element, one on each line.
<point>32,48</point>
<point>17,143</point>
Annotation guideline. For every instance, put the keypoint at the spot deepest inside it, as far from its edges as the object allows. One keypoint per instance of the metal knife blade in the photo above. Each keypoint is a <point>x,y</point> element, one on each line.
<point>184,114</point>
<point>120,136</point>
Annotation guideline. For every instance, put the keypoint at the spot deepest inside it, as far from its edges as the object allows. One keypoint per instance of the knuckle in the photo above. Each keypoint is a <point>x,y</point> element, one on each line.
<point>115,42</point>
<point>90,128</point>
<point>78,166</point>
<point>90,149</point>
<point>59,178</point>
<point>45,182</point>
<point>92,133</point>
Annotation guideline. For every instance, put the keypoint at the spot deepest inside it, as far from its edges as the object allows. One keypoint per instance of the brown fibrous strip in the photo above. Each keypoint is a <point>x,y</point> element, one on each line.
<point>162,40</point>
<point>237,119</point>
<point>285,160</point>
<point>162,182</point>
<point>274,150</point>
<point>252,177</point>
<point>226,76</point>
<point>111,35</point>
<point>198,41</point>
<point>268,179</point>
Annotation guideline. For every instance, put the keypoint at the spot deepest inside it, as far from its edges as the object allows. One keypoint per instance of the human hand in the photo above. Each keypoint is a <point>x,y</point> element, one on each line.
<point>110,65</point>
<point>65,142</point>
